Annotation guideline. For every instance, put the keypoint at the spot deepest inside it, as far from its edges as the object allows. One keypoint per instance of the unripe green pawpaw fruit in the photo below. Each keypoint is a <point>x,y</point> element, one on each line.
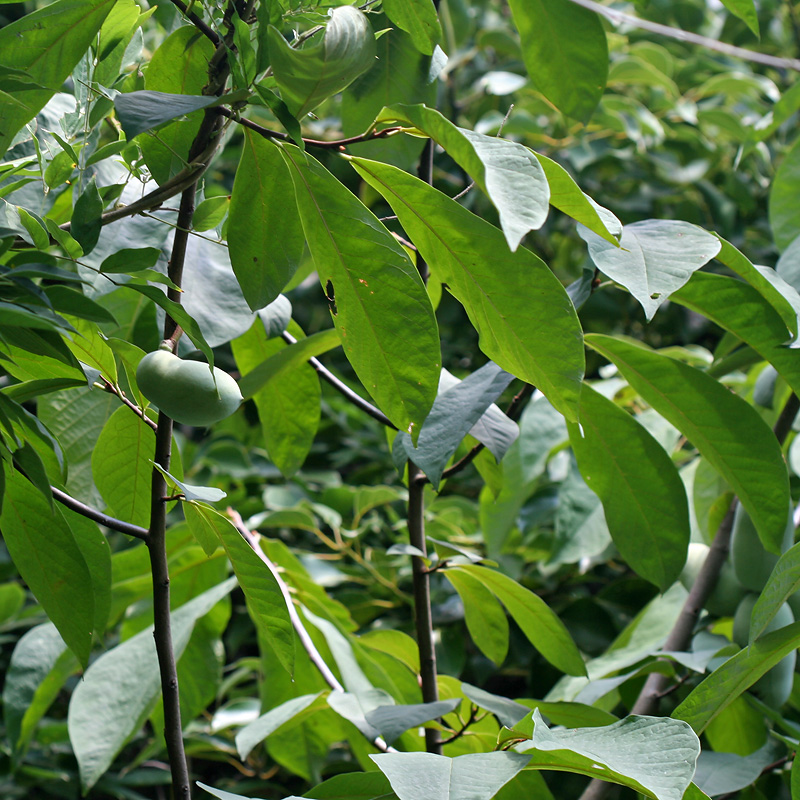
<point>751,562</point>
<point>775,687</point>
<point>186,391</point>
<point>727,594</point>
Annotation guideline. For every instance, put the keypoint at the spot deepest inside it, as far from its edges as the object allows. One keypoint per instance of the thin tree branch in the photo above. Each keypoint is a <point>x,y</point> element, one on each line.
<point>681,634</point>
<point>98,516</point>
<point>314,655</point>
<point>208,32</point>
<point>422,602</point>
<point>334,144</point>
<point>619,17</point>
<point>343,388</point>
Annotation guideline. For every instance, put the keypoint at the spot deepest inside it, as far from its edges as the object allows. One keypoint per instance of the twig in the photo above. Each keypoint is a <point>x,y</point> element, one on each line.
<point>210,34</point>
<point>308,645</point>
<point>335,144</point>
<point>618,17</point>
<point>98,516</point>
<point>343,388</point>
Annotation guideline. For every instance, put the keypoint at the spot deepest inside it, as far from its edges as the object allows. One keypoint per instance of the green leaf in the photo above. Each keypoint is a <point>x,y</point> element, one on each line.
<point>97,554</point>
<point>353,786</point>
<point>425,776</point>
<point>73,302</point>
<point>418,18</point>
<point>784,214</point>
<point>141,111</point>
<point>89,346</point>
<point>130,260</point>
<point>654,258</point>
<point>86,223</point>
<point>782,584</point>
<point>526,321</point>
<point>567,197</point>
<point>392,721</point>
<point>76,418</point>
<point>309,76</point>
<point>652,755</point>
<point>507,172</point>
<point>485,618</point>
<point>37,670</point>
<point>265,601</point>
<point>727,431</point>
<point>545,631</point>
<point>46,44</point>
<point>119,689</point>
<point>643,496</point>
<point>455,411</point>
<point>747,12</point>
<point>720,773</point>
<point>287,358</point>
<point>211,211</point>
<point>35,228</point>
<point>179,314</point>
<point>289,408</point>
<point>741,265</point>
<point>206,494</point>
<point>44,551</point>
<point>736,675</point>
<point>742,310</point>
<point>265,235</point>
<point>121,466</point>
<point>258,730</point>
<point>565,53</point>
<point>373,285</point>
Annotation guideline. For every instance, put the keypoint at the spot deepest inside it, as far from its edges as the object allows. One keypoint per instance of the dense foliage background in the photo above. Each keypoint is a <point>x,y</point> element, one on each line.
<point>295,162</point>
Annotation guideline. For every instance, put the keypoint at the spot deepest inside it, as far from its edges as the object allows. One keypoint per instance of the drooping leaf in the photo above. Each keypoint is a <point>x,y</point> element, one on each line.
<point>742,310</point>
<point>425,776</point>
<point>289,407</point>
<point>736,675</point>
<point>392,721</point>
<point>455,411</point>
<point>307,77</point>
<point>143,110</point>
<point>418,18</point>
<point>371,284</point>
<point>565,53</point>
<point>742,266</point>
<point>258,730</point>
<point>121,466</point>
<point>37,670</point>
<point>653,755</point>
<point>317,344</point>
<point>44,551</point>
<point>782,584</point>
<point>45,44</point>
<point>119,688</point>
<point>719,773</point>
<point>86,215</point>
<point>655,257</point>
<point>506,171</point>
<point>486,621</point>
<point>567,197</point>
<point>265,235</point>
<point>545,631</point>
<point>784,215</point>
<point>525,319</point>
<point>643,496</point>
<point>264,597</point>
<point>727,431</point>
